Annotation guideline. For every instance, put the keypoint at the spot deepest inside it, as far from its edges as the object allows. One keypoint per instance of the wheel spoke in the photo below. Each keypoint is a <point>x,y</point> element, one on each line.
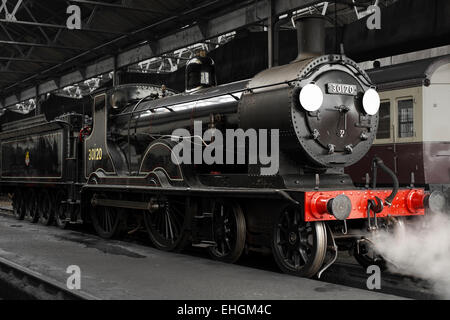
<point>166,226</point>
<point>106,217</point>
<point>289,254</point>
<point>105,220</point>
<point>296,259</point>
<point>175,226</point>
<point>110,222</point>
<point>222,248</point>
<point>177,219</point>
<point>227,241</point>
<point>303,255</point>
<point>170,226</point>
<point>156,221</point>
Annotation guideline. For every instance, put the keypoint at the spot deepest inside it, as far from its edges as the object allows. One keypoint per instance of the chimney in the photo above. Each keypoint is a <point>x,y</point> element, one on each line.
<point>310,36</point>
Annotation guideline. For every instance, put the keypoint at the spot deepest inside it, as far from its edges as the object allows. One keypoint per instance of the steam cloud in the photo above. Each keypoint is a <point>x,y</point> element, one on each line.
<point>420,249</point>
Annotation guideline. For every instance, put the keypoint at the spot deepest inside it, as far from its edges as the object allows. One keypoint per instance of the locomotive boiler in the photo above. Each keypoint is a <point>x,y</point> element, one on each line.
<point>123,176</point>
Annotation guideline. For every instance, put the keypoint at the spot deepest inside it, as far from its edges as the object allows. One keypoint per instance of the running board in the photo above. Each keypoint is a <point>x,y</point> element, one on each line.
<point>136,205</point>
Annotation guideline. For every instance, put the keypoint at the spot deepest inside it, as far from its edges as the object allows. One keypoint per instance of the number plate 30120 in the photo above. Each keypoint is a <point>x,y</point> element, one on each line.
<point>339,88</point>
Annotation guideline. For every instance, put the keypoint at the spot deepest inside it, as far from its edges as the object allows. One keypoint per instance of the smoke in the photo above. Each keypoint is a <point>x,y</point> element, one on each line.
<point>421,249</point>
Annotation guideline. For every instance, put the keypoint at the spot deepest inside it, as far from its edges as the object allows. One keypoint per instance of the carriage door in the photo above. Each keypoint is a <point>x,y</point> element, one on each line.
<point>96,155</point>
<point>409,153</point>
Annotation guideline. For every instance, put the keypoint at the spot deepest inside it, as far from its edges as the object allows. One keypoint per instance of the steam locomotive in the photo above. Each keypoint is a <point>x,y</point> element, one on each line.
<point>118,172</point>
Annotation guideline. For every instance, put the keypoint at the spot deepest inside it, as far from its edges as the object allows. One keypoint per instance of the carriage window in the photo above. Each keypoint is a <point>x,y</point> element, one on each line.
<point>406,118</point>
<point>384,126</point>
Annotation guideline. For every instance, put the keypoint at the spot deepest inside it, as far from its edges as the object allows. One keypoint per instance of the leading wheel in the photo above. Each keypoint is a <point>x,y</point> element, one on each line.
<point>166,225</point>
<point>299,247</point>
<point>229,231</point>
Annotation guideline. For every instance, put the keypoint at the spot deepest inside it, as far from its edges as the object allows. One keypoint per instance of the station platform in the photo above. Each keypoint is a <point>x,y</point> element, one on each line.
<point>123,270</point>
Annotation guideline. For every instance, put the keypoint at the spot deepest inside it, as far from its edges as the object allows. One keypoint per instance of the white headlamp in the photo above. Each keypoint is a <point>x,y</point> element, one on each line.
<point>311,97</point>
<point>371,102</point>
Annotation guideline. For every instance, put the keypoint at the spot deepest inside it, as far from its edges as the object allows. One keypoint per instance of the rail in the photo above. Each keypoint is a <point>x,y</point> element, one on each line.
<point>22,282</point>
<point>19,282</point>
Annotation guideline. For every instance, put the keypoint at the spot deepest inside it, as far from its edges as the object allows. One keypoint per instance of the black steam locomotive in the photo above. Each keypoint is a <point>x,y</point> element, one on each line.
<point>118,172</point>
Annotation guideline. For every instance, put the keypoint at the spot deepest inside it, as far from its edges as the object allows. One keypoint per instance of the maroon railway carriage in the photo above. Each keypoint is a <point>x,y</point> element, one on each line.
<point>414,133</point>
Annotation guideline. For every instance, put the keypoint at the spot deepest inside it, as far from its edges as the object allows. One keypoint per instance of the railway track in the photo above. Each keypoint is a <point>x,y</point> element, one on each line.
<point>343,272</point>
<point>19,282</point>
<point>347,273</point>
<point>353,275</point>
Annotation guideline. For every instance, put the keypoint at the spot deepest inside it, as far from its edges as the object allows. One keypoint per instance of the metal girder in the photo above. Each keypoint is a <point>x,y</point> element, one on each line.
<point>29,60</point>
<point>215,27</point>
<point>34,19</point>
<point>11,39</point>
<point>114,41</point>
<point>120,6</point>
<point>228,22</point>
<point>58,26</point>
<point>40,45</point>
<point>15,72</point>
